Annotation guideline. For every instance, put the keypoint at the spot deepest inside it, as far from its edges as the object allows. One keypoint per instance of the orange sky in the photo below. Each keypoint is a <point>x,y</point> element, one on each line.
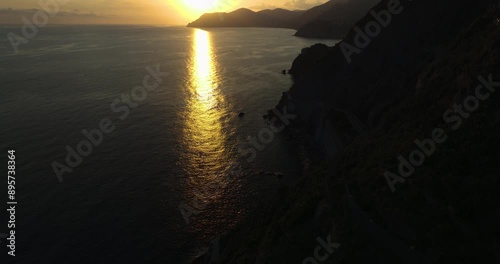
<point>155,12</point>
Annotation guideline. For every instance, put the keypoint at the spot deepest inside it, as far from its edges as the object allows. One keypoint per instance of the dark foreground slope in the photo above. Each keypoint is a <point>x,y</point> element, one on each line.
<point>333,19</point>
<point>364,115</point>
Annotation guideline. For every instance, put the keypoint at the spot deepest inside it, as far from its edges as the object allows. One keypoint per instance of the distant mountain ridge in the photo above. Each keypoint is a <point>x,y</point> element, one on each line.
<point>332,19</point>
<point>244,17</point>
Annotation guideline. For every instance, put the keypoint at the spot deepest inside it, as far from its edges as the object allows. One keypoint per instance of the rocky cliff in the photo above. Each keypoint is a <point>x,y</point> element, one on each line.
<point>333,19</point>
<point>365,83</point>
<point>369,103</point>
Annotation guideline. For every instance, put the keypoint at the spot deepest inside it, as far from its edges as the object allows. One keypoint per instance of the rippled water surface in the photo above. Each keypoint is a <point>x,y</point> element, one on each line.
<point>175,147</point>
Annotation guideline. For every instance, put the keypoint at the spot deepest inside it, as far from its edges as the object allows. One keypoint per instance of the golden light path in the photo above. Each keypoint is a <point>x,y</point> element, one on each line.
<point>205,154</point>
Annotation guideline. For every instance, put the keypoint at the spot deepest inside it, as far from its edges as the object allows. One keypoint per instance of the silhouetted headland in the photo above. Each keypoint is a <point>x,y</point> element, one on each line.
<point>331,20</point>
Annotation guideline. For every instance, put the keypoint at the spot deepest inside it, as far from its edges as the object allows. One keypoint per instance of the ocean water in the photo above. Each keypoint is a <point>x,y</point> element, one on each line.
<point>173,147</point>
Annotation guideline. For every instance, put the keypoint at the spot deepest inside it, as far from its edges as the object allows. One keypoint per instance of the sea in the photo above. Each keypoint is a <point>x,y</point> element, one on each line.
<point>132,142</point>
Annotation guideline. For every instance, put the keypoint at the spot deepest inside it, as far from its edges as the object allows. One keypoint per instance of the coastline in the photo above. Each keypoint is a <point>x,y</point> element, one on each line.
<point>280,208</point>
<point>344,196</point>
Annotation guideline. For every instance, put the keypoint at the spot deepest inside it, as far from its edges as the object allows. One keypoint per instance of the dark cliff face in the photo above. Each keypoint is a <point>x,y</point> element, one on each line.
<point>387,69</point>
<point>333,19</point>
<point>367,111</point>
<point>447,207</point>
<point>323,29</point>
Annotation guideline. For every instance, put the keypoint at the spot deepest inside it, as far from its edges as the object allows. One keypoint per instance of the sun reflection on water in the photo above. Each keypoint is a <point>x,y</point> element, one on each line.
<point>205,152</point>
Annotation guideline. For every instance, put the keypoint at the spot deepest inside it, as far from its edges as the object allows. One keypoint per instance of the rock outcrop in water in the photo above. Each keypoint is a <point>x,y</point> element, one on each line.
<point>364,112</point>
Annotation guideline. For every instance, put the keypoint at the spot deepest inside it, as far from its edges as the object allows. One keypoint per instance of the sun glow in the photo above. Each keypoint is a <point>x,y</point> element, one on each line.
<point>193,9</point>
<point>201,5</point>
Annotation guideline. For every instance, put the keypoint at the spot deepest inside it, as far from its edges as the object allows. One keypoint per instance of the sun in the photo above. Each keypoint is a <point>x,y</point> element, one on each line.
<point>201,5</point>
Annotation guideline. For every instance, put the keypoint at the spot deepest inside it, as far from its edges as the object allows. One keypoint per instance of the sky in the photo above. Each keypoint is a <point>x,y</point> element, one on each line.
<point>152,12</point>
